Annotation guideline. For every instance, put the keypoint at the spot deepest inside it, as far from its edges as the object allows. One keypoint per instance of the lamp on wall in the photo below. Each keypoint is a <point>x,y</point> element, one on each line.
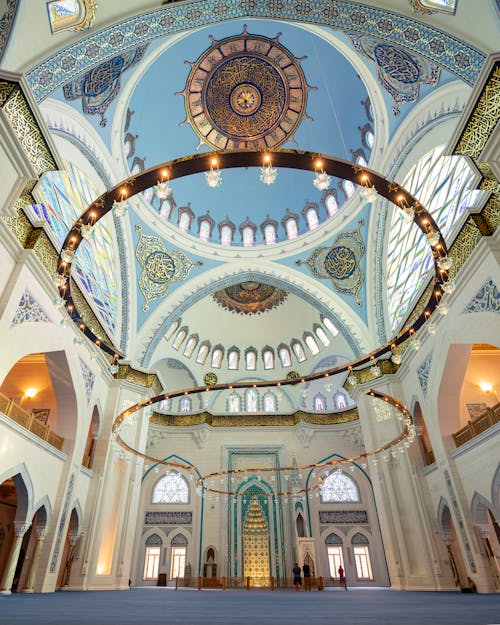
<point>487,387</point>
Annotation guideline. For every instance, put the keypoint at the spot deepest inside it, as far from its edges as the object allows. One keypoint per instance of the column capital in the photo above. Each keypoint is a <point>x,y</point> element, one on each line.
<point>20,528</point>
<point>41,533</point>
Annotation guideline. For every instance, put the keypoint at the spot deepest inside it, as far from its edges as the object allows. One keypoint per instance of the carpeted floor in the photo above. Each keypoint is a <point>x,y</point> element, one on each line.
<point>150,606</point>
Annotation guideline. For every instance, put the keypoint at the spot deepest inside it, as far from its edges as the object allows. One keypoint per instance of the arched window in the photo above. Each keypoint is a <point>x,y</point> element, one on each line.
<point>234,403</point>
<point>268,358</point>
<point>330,326</point>
<point>179,338</point>
<point>178,558</point>
<point>226,235</point>
<point>152,557</point>
<point>312,217</point>
<point>269,402</point>
<point>340,401</point>
<point>339,487</point>
<point>284,355</point>
<point>348,187</point>
<point>185,404</point>
<point>184,220</point>
<point>203,353</point>
<point>233,359</point>
<point>171,488</point>
<point>251,400</point>
<point>335,556</point>
<point>248,236</point>
<point>270,234</point>
<point>172,329</point>
<point>292,228</point>
<point>369,138</point>
<point>361,553</point>
<point>217,356</point>
<point>191,343</point>
<point>311,344</point>
<point>205,230</point>
<point>440,6</point>
<point>361,160</point>
<point>320,333</point>
<point>319,403</point>
<point>441,184</point>
<point>331,204</point>
<point>251,360</point>
<point>298,350</point>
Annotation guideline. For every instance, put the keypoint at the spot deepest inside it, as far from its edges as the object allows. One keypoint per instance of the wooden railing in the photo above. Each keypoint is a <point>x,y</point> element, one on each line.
<point>487,419</point>
<point>9,408</point>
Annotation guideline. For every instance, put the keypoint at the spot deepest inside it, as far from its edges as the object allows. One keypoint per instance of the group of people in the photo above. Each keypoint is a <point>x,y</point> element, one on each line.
<point>306,570</point>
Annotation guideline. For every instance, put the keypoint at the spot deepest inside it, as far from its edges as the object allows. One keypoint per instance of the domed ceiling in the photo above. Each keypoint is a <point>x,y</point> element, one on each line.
<point>237,86</point>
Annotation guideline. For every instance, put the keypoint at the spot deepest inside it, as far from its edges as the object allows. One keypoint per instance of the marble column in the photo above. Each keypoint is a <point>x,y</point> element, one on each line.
<point>10,566</point>
<point>40,537</point>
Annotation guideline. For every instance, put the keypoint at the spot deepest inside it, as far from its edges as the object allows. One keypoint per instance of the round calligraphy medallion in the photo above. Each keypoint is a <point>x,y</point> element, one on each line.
<point>159,267</point>
<point>340,262</point>
<point>246,91</point>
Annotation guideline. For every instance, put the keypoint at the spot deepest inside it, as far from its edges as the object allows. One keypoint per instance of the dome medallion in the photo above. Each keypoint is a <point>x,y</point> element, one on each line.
<point>246,91</point>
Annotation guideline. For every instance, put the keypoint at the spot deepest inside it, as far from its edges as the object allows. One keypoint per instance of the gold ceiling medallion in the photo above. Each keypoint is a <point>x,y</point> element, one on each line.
<point>246,91</point>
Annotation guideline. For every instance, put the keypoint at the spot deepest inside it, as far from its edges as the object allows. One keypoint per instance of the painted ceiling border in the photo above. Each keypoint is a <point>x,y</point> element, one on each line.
<point>450,53</point>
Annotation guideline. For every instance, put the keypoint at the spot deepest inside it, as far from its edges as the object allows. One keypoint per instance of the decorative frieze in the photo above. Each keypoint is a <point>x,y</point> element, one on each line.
<point>168,518</point>
<point>340,517</point>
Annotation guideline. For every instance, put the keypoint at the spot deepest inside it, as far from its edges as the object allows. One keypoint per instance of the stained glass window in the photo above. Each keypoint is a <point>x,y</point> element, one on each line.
<point>233,359</point>
<point>181,335</point>
<point>171,488</point>
<point>269,402</point>
<point>234,403</point>
<point>311,343</point>
<point>441,184</point>
<point>268,358</point>
<point>339,487</point>
<point>331,204</point>
<point>65,14</point>
<point>319,402</point>
<point>226,235</point>
<point>312,218</point>
<point>330,326</point>
<point>321,334</point>
<point>205,230</point>
<point>291,227</point>
<point>348,187</point>
<point>203,353</point>
<point>248,236</point>
<point>340,401</point>
<point>270,234</point>
<point>251,360</point>
<point>63,196</point>
<point>298,350</point>
<point>217,356</point>
<point>185,404</point>
<point>190,345</point>
<point>284,354</point>
<point>251,400</point>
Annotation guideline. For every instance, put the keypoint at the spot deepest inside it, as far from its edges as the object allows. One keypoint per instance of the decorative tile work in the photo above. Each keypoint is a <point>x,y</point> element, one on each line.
<point>88,378</point>
<point>340,262</point>
<point>100,86</point>
<point>423,374</point>
<point>337,517</point>
<point>62,524</point>
<point>486,299</point>
<point>398,71</point>
<point>452,54</point>
<point>250,298</point>
<point>28,310</point>
<point>8,10</point>
<point>168,518</point>
<point>160,267</point>
<point>460,521</point>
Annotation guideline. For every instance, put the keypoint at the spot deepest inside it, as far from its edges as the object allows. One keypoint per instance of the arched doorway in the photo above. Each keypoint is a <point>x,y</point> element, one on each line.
<point>70,543</point>
<point>14,506</point>
<point>449,535</point>
<point>488,535</point>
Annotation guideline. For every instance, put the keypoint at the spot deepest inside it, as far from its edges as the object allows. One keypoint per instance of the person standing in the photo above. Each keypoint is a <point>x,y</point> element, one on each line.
<point>307,576</point>
<point>343,581</point>
<point>297,579</point>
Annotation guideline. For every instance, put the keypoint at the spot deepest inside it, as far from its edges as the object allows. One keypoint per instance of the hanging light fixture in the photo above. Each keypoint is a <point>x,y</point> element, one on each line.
<point>322,180</point>
<point>163,189</point>
<point>120,207</point>
<point>268,173</point>
<point>407,213</point>
<point>368,192</point>
<point>213,177</point>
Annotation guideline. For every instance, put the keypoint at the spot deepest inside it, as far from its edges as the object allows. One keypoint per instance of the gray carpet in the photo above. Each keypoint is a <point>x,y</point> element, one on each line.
<point>257,607</point>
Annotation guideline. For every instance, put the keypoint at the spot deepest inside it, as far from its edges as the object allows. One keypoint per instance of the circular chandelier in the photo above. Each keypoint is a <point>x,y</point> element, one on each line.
<point>371,183</point>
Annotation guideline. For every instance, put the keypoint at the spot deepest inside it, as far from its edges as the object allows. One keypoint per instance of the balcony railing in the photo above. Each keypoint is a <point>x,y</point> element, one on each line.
<point>9,408</point>
<point>479,424</point>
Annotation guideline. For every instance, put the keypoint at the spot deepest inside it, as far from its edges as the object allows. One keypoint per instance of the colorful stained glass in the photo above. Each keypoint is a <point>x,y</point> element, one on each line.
<point>63,196</point>
<point>339,487</point>
<point>171,488</point>
<point>442,184</point>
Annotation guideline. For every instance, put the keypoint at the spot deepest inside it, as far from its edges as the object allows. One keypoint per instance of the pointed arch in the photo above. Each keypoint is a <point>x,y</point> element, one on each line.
<point>479,509</point>
<point>76,519</point>
<point>43,511</point>
<point>495,492</point>
<point>24,491</point>
<point>444,520</point>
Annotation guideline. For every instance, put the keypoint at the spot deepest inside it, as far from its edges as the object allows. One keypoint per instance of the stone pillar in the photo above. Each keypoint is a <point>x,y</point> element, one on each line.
<point>10,566</point>
<point>40,537</point>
